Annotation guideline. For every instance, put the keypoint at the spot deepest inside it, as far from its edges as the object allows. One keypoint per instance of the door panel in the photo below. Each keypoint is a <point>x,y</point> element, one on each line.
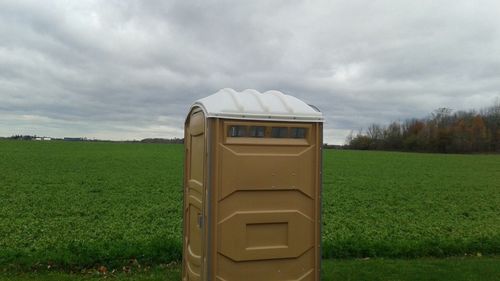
<point>193,197</point>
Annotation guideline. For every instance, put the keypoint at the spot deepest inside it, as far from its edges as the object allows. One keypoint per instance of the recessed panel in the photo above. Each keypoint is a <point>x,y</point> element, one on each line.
<point>194,231</point>
<point>197,124</point>
<point>197,158</point>
<point>252,200</point>
<point>266,235</point>
<point>292,226</point>
<point>299,269</point>
<point>255,171</point>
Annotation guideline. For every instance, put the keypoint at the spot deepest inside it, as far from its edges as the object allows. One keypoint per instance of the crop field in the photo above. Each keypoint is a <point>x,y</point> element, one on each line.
<point>77,205</point>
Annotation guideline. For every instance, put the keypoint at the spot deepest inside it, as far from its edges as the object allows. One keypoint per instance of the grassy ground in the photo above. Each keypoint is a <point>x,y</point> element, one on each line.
<point>78,205</point>
<point>452,269</point>
<point>426,269</point>
<point>156,273</point>
<point>410,205</point>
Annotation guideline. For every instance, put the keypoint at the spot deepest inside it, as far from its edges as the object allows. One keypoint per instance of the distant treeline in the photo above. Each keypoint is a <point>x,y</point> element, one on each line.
<point>35,137</point>
<point>443,131</point>
<point>159,140</point>
<point>148,140</point>
<point>21,137</point>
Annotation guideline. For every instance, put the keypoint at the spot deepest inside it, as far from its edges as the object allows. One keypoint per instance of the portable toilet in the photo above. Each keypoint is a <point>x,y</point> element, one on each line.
<point>252,188</point>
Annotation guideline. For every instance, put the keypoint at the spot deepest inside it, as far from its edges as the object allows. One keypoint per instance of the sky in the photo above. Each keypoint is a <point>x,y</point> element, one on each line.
<point>123,70</point>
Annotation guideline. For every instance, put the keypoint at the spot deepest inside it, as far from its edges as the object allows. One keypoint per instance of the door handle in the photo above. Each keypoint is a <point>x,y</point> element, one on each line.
<point>200,220</point>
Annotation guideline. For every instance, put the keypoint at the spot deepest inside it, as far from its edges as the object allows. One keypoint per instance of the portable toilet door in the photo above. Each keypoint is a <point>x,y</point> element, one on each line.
<point>252,188</point>
<point>194,195</point>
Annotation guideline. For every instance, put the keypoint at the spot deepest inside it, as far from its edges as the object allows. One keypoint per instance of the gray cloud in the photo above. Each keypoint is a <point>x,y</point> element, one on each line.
<point>130,69</point>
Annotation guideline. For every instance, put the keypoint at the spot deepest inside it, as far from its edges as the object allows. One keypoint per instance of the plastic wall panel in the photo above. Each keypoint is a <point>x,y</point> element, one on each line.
<point>267,207</point>
<point>251,205</point>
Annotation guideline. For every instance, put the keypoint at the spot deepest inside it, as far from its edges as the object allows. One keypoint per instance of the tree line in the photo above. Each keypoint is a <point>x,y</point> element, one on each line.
<point>444,131</point>
<point>174,140</point>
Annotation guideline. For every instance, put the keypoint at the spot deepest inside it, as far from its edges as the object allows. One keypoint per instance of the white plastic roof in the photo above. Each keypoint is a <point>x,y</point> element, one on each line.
<point>253,105</point>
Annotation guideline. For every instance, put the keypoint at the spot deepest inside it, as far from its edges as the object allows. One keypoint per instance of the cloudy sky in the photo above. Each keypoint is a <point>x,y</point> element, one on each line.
<point>130,69</point>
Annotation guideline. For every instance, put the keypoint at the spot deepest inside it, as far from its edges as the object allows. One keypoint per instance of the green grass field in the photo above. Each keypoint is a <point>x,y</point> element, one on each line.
<point>425,269</point>
<point>80,204</point>
<point>77,205</point>
<point>381,204</point>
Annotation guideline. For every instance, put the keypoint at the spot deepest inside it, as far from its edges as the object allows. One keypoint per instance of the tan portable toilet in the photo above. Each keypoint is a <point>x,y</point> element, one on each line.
<point>252,188</point>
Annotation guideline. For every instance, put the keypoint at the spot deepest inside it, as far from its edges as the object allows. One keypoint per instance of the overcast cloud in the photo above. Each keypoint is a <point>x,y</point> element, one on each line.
<point>131,69</point>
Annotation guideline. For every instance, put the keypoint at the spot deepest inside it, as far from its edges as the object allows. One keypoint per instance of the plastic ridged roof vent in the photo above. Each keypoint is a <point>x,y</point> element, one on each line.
<point>253,105</point>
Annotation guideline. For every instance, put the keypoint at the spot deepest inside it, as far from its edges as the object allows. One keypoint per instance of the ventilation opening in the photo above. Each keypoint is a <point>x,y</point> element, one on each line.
<point>238,131</point>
